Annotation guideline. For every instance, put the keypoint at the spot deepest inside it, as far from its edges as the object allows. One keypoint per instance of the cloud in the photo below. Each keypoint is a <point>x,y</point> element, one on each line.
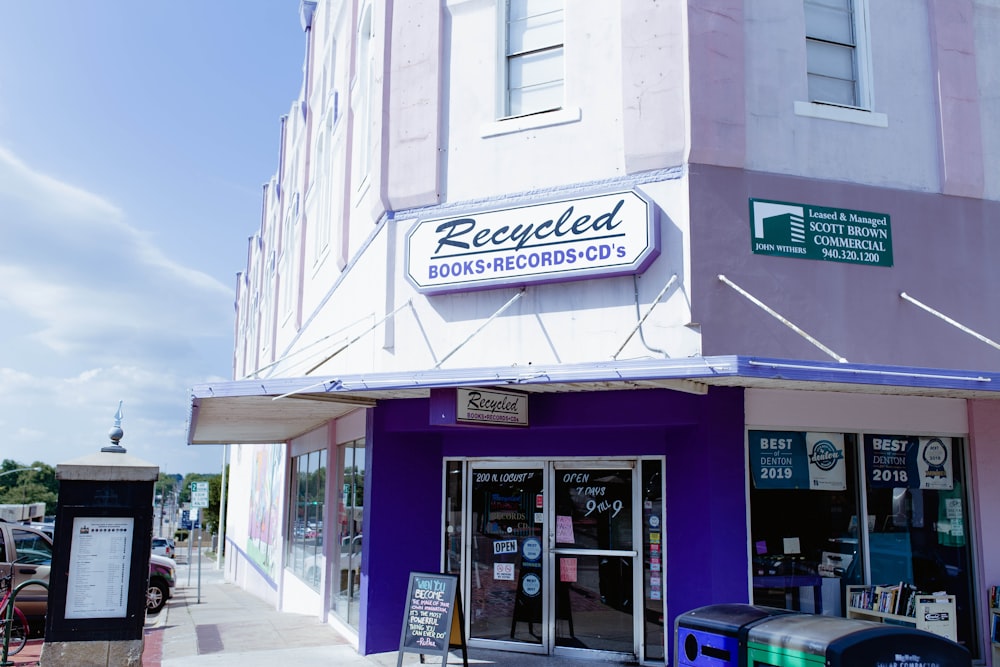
<point>59,418</point>
<point>88,280</point>
<point>54,200</point>
<point>95,313</point>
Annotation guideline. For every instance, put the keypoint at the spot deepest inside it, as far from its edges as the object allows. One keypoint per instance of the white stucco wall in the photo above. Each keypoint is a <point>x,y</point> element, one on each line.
<point>904,154</point>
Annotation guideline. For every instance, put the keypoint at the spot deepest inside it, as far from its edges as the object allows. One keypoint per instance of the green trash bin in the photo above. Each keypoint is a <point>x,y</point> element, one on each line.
<point>804,640</point>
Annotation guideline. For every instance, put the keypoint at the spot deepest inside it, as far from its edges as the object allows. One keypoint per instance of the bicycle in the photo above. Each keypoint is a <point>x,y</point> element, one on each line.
<point>18,623</point>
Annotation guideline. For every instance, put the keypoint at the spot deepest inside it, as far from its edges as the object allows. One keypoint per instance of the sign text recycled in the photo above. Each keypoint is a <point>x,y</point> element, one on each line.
<point>588,237</point>
<point>817,232</point>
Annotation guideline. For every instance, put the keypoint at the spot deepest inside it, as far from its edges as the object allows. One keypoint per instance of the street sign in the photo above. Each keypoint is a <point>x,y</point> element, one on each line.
<point>199,494</point>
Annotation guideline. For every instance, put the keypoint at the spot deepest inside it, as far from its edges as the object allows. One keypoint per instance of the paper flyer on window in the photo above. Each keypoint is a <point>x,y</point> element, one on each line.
<point>827,471</point>
<point>934,464</point>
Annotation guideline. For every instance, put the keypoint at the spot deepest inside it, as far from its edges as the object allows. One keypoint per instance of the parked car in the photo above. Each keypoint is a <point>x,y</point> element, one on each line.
<point>162,578</point>
<point>32,549</point>
<point>164,546</point>
<point>46,527</point>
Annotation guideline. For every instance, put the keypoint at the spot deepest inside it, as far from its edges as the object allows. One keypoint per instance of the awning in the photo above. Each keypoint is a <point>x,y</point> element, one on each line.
<point>264,411</point>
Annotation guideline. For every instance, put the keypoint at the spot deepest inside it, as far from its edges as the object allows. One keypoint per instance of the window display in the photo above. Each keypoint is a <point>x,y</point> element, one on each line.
<point>350,514</point>
<point>305,545</point>
<point>808,494</point>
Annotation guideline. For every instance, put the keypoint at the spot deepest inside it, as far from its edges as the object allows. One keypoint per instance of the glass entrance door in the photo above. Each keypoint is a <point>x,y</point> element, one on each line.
<point>552,563</point>
<point>595,560</point>
<point>507,574</point>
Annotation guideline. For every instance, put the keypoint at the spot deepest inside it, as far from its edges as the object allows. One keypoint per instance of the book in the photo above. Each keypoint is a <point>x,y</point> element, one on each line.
<point>905,604</point>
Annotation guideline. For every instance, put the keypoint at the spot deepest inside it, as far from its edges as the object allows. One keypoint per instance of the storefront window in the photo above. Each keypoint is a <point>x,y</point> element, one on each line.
<point>916,492</point>
<point>808,538</point>
<point>350,512</point>
<point>654,566</point>
<point>307,510</point>
<point>453,517</point>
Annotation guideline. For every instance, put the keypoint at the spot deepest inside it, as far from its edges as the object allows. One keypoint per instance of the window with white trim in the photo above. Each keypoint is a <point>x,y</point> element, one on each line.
<point>533,58</point>
<point>365,91</point>
<point>837,62</point>
<point>306,515</point>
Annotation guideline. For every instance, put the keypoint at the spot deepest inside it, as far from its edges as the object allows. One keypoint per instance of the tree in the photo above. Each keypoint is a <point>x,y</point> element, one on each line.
<point>28,486</point>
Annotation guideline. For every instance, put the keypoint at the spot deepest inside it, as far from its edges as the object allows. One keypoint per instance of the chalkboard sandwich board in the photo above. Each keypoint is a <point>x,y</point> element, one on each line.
<point>432,621</point>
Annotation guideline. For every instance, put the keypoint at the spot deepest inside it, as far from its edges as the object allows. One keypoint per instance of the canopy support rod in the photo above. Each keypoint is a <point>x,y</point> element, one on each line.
<point>357,338</point>
<point>760,304</point>
<point>492,317</point>
<point>305,348</point>
<point>957,325</point>
<point>869,371</point>
<point>653,305</point>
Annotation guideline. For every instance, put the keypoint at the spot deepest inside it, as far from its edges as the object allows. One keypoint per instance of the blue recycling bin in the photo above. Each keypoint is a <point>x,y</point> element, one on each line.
<point>805,640</point>
<point>715,635</point>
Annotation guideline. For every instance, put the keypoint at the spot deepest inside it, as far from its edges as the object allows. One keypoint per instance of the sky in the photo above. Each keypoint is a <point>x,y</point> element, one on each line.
<point>135,139</point>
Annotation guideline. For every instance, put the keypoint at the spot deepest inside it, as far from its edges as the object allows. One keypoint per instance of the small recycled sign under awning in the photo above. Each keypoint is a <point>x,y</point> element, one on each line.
<point>478,406</point>
<point>491,407</point>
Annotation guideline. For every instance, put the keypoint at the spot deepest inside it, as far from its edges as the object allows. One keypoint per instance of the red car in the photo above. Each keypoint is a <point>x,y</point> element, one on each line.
<point>162,578</point>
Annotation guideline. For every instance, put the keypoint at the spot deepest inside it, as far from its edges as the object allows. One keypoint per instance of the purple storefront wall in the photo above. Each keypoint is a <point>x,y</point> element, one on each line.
<point>701,438</point>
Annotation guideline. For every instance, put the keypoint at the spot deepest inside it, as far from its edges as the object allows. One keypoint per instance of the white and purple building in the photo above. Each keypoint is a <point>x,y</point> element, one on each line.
<point>616,309</point>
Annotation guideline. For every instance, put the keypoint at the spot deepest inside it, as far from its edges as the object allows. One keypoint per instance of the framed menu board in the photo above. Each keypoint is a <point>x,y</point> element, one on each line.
<point>100,563</point>
<point>432,620</point>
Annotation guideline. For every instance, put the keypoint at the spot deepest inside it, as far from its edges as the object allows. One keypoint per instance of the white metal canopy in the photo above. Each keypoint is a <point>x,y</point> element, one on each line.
<point>263,411</point>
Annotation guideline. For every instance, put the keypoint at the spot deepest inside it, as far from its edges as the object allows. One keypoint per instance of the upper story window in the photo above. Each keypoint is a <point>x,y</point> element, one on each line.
<point>836,52</point>
<point>533,56</point>
<point>365,90</point>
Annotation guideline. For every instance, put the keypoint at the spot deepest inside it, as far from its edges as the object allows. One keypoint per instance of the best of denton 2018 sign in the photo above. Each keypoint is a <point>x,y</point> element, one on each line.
<point>568,239</point>
<point>805,231</point>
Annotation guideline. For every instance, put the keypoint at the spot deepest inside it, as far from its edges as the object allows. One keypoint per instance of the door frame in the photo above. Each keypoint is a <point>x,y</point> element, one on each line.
<point>471,466</point>
<point>552,467</point>
<point>549,466</point>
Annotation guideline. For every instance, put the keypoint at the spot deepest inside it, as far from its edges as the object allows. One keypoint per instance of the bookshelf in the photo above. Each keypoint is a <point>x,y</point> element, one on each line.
<point>994,600</point>
<point>995,635</point>
<point>901,603</point>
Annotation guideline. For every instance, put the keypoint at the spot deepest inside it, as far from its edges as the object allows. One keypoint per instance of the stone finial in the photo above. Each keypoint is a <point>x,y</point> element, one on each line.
<point>116,433</point>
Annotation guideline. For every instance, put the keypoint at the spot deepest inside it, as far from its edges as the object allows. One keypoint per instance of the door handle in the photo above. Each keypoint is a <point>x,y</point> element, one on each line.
<point>27,570</point>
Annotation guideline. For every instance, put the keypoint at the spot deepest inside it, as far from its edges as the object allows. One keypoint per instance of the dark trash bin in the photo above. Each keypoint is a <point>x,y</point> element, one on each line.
<point>715,636</point>
<point>805,640</point>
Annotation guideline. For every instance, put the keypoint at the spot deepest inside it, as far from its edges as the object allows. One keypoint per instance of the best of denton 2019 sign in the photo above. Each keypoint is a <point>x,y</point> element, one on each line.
<point>805,231</point>
<point>568,239</point>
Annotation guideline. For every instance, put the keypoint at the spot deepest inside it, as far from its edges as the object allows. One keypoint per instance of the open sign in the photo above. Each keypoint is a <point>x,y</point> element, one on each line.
<point>504,547</point>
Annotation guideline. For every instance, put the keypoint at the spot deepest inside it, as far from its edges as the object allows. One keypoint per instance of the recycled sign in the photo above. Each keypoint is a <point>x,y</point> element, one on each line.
<point>805,231</point>
<point>597,236</point>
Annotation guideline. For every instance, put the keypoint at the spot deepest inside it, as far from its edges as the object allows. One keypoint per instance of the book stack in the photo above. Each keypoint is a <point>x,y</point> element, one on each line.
<point>862,597</point>
<point>898,599</point>
<point>994,597</point>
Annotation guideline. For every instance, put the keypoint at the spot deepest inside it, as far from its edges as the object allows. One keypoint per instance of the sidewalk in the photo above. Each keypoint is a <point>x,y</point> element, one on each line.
<point>230,627</point>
